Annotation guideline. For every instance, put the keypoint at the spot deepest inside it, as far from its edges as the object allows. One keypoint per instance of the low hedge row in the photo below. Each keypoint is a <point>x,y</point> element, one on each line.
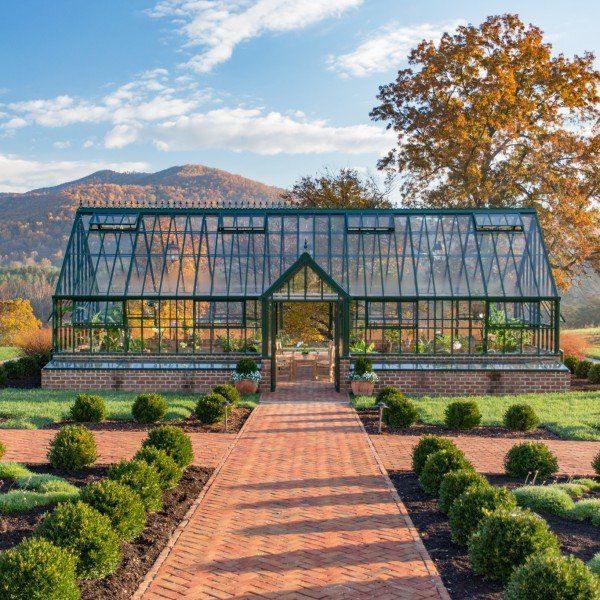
<point>22,368</point>
<point>583,369</point>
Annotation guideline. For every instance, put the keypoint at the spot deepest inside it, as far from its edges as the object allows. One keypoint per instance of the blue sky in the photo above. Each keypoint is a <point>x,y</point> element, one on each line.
<point>270,89</point>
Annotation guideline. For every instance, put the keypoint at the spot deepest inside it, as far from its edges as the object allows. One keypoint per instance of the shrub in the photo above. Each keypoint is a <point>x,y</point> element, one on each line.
<point>587,510</point>
<point>28,366</point>
<point>575,490</point>
<point>400,412</point>
<point>209,408</point>
<point>2,449</point>
<point>521,417</point>
<point>505,539</point>
<point>574,344</point>
<point>455,483</point>
<point>582,369</point>
<point>173,441</point>
<point>551,576</point>
<point>594,564</point>
<point>437,465</point>
<point>571,363</point>
<point>587,482</point>
<point>386,392</point>
<point>13,470</point>
<point>462,415</point>
<point>229,392</point>
<point>362,365</point>
<point>596,464</point>
<point>594,373</point>
<point>85,532</point>
<point>142,479</point>
<point>20,501</point>
<point>542,498</point>
<point>12,369</point>
<point>530,458</point>
<point>38,570</point>
<point>72,448</point>
<point>149,408</point>
<point>169,472</point>
<point>35,342</point>
<point>3,376</point>
<point>119,503</point>
<point>246,366</point>
<point>88,409</point>
<point>472,505</point>
<point>429,444</point>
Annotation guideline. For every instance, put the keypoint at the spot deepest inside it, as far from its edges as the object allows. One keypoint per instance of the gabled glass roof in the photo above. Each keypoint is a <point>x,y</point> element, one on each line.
<point>242,252</point>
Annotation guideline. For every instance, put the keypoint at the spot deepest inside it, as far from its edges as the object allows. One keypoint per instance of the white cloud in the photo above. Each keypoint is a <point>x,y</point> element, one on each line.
<point>62,145</point>
<point>387,49</point>
<point>121,136</point>
<point>20,175</point>
<point>13,123</point>
<point>220,25</point>
<point>88,143</point>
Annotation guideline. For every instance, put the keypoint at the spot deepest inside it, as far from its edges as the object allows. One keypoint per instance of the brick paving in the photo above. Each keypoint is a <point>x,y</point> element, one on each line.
<point>31,445</point>
<point>300,508</point>
<point>303,391</point>
<point>487,454</point>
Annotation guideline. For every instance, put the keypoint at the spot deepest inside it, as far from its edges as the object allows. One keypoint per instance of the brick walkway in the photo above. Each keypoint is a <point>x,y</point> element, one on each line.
<point>303,391</point>
<point>31,445</point>
<point>300,508</point>
<point>487,454</point>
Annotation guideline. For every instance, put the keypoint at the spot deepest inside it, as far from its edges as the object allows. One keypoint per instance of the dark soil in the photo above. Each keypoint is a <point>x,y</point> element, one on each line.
<point>584,385</point>
<point>370,419</point>
<point>452,561</point>
<point>235,420</point>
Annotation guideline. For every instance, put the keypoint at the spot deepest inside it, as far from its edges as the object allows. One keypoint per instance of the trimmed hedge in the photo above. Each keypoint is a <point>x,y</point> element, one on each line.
<point>142,479</point>
<point>173,441</point>
<point>521,417</point>
<point>2,450</point>
<point>586,510</point>
<point>429,444</point>
<point>594,564</point>
<point>528,458</point>
<point>228,391</point>
<point>596,464</point>
<point>462,415</point>
<point>73,447</point>
<point>455,483</point>
<point>400,411</point>
<point>583,368</point>
<point>571,363</point>
<point>386,392</point>
<point>594,373</point>
<point>246,366</point>
<point>149,408</point>
<point>169,472</point>
<point>542,498</point>
<point>209,408</point>
<point>437,465</point>
<point>88,409</point>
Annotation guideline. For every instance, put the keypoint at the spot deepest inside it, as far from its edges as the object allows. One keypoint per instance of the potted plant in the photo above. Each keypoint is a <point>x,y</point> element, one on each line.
<point>246,376</point>
<point>363,379</point>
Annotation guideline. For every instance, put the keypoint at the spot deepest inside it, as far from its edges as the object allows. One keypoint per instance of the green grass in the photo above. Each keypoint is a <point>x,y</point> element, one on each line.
<point>571,415</point>
<point>9,352</point>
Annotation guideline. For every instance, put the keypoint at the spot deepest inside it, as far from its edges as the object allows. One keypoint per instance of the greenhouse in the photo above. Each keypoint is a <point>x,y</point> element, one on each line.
<point>193,289</point>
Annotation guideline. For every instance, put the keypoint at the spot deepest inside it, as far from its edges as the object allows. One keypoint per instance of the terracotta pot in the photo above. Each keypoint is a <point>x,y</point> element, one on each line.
<point>362,388</point>
<point>246,386</point>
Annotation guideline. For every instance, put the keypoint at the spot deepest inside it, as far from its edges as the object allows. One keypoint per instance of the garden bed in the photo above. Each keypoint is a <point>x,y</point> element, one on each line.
<point>451,560</point>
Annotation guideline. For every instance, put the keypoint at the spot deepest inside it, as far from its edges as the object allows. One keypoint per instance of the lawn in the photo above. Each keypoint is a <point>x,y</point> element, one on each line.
<point>9,352</point>
<point>592,335</point>
<point>571,415</point>
<point>30,409</point>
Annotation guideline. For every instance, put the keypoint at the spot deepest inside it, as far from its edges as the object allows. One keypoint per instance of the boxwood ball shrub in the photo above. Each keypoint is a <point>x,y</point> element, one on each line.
<point>456,483</point>
<point>400,411</point>
<point>209,408</point>
<point>596,464</point>
<point>173,441</point>
<point>462,415</point>
<point>88,409</point>
<point>2,450</point>
<point>550,576</point>
<point>520,417</point>
<point>246,366</point>
<point>142,479</point>
<point>229,392</point>
<point>594,564</point>
<point>429,444</point>
<point>169,472</point>
<point>387,391</point>
<point>38,570</point>
<point>582,369</point>
<point>594,373</point>
<point>82,530</point>
<point>437,465</point>
<point>505,539</point>
<point>542,498</point>
<point>73,447</point>
<point>571,363</point>
<point>530,458</point>
<point>119,503</point>
<point>149,408</point>
<point>472,505</point>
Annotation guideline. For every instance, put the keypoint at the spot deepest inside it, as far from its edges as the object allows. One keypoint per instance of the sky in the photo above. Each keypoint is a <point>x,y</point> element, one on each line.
<point>269,89</point>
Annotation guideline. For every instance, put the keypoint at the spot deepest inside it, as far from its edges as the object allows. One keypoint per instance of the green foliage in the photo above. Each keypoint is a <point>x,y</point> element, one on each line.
<point>550,576</point>
<point>169,472</point>
<point>505,539</point>
<point>575,490</point>
<point>363,365</point>
<point>529,458</point>
<point>2,449</point>
<point>142,478</point>
<point>596,464</point>
<point>400,412</point>
<point>472,505</point>
<point>38,570</point>
<point>209,408</point>
<point>3,376</point>
<point>429,444</point>
<point>86,533</point>
<point>462,415</point>
<point>386,392</point>
<point>13,470</point>
<point>20,501</point>
<point>521,417</point>
<point>594,373</point>
<point>587,482</point>
<point>437,465</point>
<point>88,409</point>
<point>149,408</point>
<point>73,447</point>
<point>360,347</point>
<point>582,369</point>
<point>246,366</point>
<point>571,363</point>
<point>173,441</point>
<point>455,483</point>
<point>229,392</point>
<point>594,564</point>
<point>544,498</point>
<point>119,503</point>
<point>586,510</point>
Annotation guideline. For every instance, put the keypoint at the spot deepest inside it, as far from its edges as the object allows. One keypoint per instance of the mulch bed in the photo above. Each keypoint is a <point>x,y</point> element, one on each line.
<point>451,560</point>
<point>584,385</point>
<point>370,419</point>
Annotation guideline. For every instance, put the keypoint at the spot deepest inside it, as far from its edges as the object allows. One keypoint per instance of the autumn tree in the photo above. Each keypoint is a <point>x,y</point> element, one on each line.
<point>489,117</point>
<point>345,188</point>
<point>16,317</point>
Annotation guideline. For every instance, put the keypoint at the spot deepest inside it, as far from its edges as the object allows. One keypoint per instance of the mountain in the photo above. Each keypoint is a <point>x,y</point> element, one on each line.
<point>35,225</point>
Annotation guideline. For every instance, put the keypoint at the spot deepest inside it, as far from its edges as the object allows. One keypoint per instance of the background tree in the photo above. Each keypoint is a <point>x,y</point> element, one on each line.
<point>16,317</point>
<point>490,118</point>
<point>345,188</point>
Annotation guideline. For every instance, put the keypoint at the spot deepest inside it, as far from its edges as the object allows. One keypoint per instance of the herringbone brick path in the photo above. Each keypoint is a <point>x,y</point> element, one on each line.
<point>299,509</point>
<point>486,453</point>
<point>303,391</point>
